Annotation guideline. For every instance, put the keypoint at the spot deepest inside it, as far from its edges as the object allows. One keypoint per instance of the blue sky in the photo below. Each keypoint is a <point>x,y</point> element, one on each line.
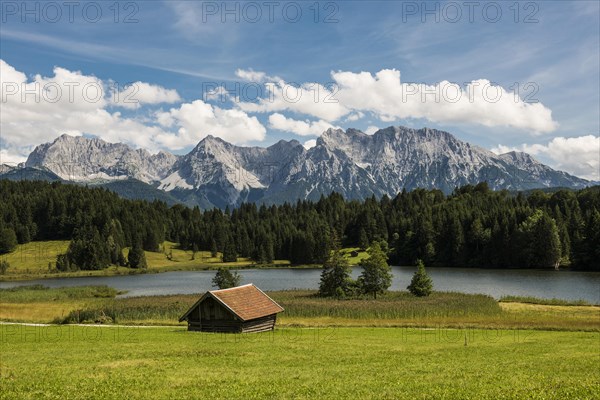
<point>548,50</point>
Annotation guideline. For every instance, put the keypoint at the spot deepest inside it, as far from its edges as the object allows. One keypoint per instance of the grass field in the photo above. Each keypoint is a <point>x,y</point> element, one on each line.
<point>33,258</point>
<point>74,362</point>
<point>395,347</point>
<point>303,309</point>
<point>30,261</point>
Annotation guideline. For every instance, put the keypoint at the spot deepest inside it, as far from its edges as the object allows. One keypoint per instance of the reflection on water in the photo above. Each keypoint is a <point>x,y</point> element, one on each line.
<point>497,283</point>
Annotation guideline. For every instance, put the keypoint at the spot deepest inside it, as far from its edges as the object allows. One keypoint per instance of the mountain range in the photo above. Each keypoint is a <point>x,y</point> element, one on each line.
<point>357,165</point>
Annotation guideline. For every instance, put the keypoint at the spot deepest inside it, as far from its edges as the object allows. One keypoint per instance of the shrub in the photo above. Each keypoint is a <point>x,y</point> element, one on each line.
<point>4,266</point>
<point>63,263</point>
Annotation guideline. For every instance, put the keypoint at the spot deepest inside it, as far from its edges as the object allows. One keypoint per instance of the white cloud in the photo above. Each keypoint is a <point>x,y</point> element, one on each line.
<point>140,93</point>
<point>302,128</point>
<point>354,117</point>
<point>198,119</point>
<point>579,156</point>
<point>309,99</point>
<point>479,102</point>
<point>250,75</point>
<point>384,94</point>
<point>220,93</point>
<point>11,157</point>
<point>309,144</point>
<point>38,110</point>
<point>371,130</point>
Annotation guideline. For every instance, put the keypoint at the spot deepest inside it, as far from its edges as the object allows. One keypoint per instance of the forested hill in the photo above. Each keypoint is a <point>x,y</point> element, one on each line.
<point>473,226</point>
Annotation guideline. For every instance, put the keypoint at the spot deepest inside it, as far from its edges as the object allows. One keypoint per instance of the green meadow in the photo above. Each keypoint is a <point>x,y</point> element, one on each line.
<point>78,362</point>
<point>100,304</point>
<point>448,345</point>
<point>36,260</point>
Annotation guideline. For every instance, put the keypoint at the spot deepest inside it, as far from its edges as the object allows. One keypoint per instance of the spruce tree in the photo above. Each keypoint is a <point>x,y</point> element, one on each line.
<point>137,257</point>
<point>377,275</point>
<point>421,284</point>
<point>229,251</point>
<point>335,277</point>
<point>546,243</point>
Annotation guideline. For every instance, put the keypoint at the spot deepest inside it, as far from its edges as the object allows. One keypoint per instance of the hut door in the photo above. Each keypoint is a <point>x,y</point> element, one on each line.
<point>211,309</point>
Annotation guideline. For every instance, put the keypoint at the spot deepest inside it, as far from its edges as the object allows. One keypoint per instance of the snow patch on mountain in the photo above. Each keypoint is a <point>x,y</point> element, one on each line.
<point>351,162</point>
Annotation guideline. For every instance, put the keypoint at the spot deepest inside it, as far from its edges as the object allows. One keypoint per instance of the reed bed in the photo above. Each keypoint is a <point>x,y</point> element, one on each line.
<point>40,293</point>
<point>549,302</point>
<point>303,304</point>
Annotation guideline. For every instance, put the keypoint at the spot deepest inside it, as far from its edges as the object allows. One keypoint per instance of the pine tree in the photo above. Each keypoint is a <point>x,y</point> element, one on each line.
<point>137,257</point>
<point>335,277</point>
<point>541,240</point>
<point>88,250</point>
<point>421,284</point>
<point>213,248</point>
<point>363,239</point>
<point>8,240</point>
<point>377,275</point>
<point>229,251</point>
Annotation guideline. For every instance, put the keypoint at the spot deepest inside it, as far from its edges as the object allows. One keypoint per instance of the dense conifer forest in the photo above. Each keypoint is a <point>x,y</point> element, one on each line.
<point>473,226</point>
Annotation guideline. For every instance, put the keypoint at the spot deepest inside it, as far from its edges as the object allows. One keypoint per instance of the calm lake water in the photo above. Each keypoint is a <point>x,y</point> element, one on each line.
<point>497,283</point>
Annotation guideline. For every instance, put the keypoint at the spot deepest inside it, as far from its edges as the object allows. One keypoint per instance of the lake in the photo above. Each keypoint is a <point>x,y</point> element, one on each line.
<point>569,285</point>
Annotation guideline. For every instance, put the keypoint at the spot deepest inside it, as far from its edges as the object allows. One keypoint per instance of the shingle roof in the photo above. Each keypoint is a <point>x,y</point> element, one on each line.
<point>247,302</point>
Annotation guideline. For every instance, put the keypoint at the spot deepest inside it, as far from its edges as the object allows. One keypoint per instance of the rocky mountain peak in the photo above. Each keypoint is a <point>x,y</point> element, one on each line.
<point>357,165</point>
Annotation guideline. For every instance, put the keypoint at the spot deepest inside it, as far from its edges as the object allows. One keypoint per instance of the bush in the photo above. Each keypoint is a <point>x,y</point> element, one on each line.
<point>8,240</point>
<point>421,284</point>
<point>63,263</point>
<point>4,265</point>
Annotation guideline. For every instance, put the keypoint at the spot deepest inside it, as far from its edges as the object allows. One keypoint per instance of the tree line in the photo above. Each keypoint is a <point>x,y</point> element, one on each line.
<point>474,226</point>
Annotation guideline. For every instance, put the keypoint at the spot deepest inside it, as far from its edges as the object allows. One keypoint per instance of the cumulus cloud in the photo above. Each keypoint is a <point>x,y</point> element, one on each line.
<point>579,156</point>
<point>385,96</point>
<point>141,93</point>
<point>354,117</point>
<point>371,130</point>
<point>303,128</point>
<point>39,109</point>
<point>311,99</point>
<point>479,102</point>
<point>250,75</point>
<point>198,119</point>
<point>309,144</point>
<point>219,93</point>
<point>12,157</point>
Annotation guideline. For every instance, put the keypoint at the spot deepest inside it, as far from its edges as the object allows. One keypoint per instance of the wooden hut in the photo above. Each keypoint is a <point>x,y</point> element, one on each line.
<point>239,309</point>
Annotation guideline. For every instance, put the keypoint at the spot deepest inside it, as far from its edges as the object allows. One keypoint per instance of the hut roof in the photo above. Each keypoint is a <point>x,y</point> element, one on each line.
<point>247,302</point>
